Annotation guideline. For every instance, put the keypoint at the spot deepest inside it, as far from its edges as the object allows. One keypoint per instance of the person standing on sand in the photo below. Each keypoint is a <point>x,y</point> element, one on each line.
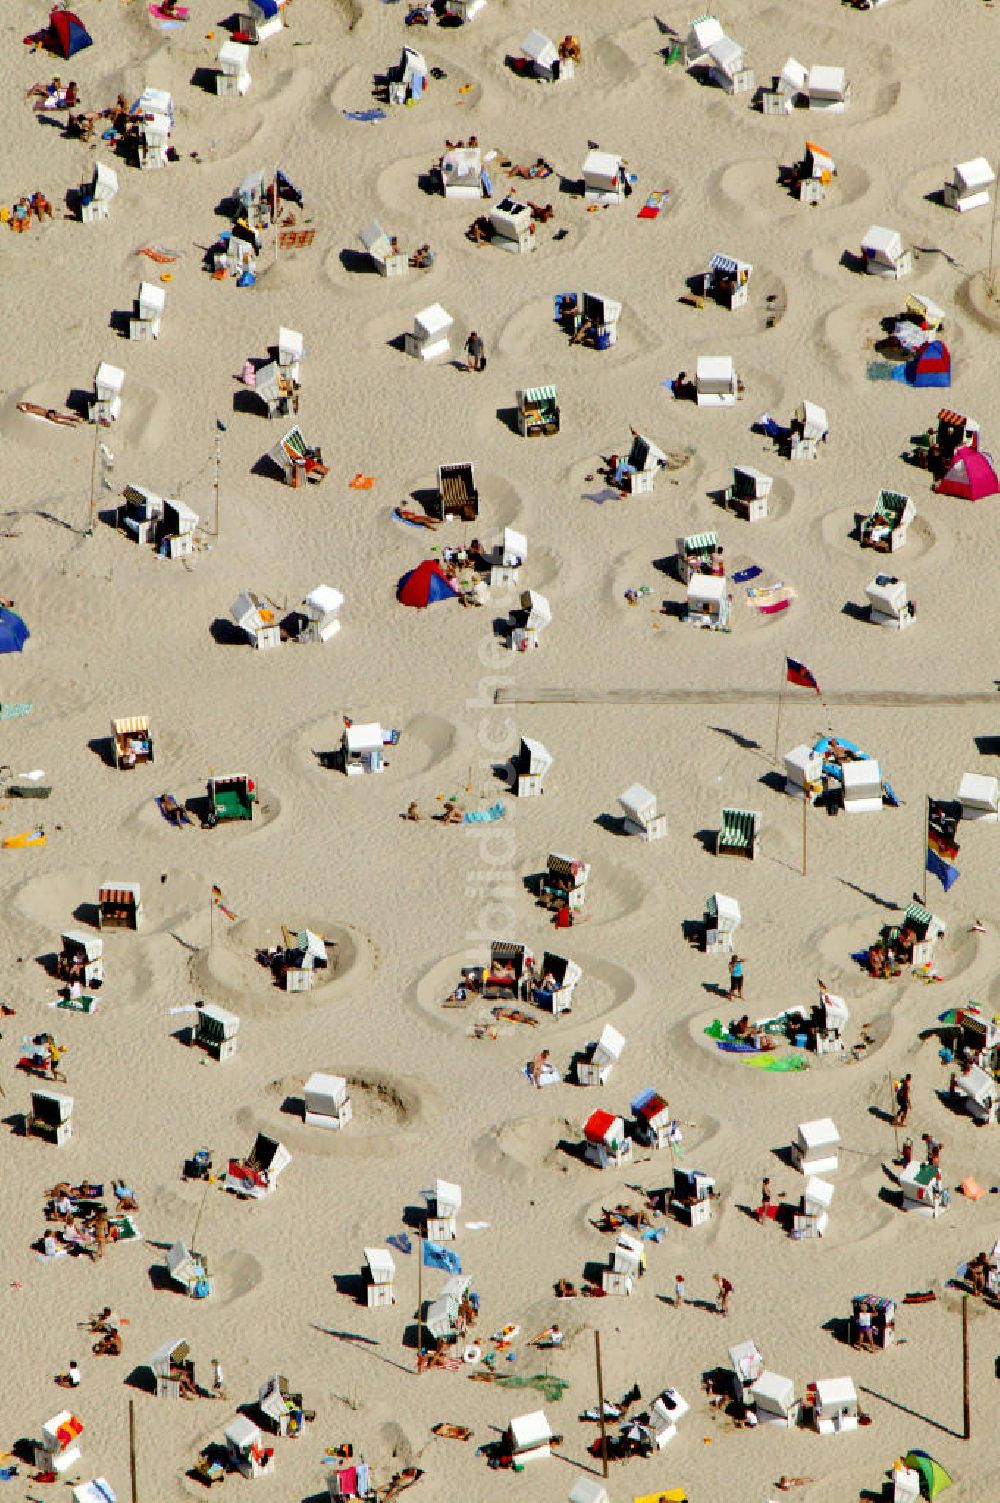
<point>678,1290</point>
<point>903,1100</point>
<point>476,352</point>
<point>538,1067</point>
<point>736,977</point>
<point>722,1298</point>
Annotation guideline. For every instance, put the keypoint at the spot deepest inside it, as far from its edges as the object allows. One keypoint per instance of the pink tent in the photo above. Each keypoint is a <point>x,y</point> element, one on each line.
<point>971,476</point>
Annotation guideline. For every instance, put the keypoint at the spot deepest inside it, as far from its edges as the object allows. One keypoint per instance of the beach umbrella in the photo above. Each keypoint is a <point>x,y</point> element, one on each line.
<point>13,632</point>
<point>933,1477</point>
<point>67,33</point>
<point>425,585</point>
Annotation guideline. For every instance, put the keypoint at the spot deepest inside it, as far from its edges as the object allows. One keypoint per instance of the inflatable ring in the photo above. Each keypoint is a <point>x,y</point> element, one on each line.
<point>472,1354</point>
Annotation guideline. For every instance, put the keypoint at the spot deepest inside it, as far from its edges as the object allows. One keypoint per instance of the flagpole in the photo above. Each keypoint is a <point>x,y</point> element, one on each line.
<point>420,1299</point>
<point>211,922</point>
<point>777,723</point>
<point>925,843</point>
<point>805,811</point>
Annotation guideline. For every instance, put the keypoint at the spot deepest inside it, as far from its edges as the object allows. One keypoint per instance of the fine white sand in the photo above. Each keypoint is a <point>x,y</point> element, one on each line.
<point>117,632</point>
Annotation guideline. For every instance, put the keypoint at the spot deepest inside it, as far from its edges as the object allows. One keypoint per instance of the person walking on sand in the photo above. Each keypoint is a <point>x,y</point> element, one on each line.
<point>678,1290</point>
<point>764,1209</point>
<point>736,977</point>
<point>476,352</point>
<point>722,1298</point>
<point>903,1100</point>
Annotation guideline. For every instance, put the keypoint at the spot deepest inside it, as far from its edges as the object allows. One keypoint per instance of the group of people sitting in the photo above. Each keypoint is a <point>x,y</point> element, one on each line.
<point>26,208</point>
<point>891,952</point>
<point>77,1219</point>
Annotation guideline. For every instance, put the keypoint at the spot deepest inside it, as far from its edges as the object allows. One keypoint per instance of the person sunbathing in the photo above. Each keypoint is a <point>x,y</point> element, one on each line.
<point>422,257</point>
<point>110,1345</point>
<point>124,1196</point>
<point>540,169</point>
<point>542,212</point>
<point>480,231</point>
<point>565,1289</point>
<point>44,90</point>
<point>785,1484</point>
<point>413,811</point>
<point>451,814</point>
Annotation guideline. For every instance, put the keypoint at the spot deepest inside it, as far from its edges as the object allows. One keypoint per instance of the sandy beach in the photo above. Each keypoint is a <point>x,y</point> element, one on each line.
<point>117,631</point>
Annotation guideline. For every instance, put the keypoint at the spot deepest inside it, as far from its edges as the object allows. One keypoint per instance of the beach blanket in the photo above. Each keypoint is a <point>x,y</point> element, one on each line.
<point>13,712</point>
<point>785,1063</point>
<point>295,239</point>
<point>753,571</point>
<point>549,1076</point>
<point>180,14</point>
<point>158,254</point>
<point>77,1004</point>
<point>655,204</point>
<point>485,816</point>
<point>775,606</point>
<point>365,115</point>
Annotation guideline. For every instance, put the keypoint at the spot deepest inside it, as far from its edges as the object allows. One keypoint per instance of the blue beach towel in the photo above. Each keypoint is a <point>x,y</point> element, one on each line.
<point>485,816</point>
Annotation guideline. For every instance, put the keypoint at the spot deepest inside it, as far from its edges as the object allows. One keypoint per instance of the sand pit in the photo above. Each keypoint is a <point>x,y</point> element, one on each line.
<point>839,530</point>
<point>58,900</point>
<point>974,297</point>
<point>501,504</point>
<point>531,333</point>
<point>383,1107</point>
<point>426,742</point>
<point>148,818</point>
<point>603,992</point>
<point>228,971</point>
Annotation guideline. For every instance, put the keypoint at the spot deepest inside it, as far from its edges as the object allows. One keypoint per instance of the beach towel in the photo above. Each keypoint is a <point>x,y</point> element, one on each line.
<point>77,1004</point>
<point>361,482</point>
<point>401,1242</point>
<point>784,1063</point>
<point>774,607</point>
<point>295,239</point>
<point>549,1075</point>
<point>365,115</point>
<point>485,816</point>
<point>158,254</point>
<point>655,203</point>
<point>13,712</point>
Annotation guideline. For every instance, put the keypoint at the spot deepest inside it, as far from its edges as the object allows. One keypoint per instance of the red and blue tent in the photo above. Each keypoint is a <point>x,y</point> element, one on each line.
<point>930,366</point>
<point>425,585</point>
<point>64,35</point>
<point>13,632</point>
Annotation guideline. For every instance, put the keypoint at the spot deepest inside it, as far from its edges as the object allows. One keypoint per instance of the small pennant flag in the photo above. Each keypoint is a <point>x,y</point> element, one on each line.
<point>218,903</point>
<point>798,673</point>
